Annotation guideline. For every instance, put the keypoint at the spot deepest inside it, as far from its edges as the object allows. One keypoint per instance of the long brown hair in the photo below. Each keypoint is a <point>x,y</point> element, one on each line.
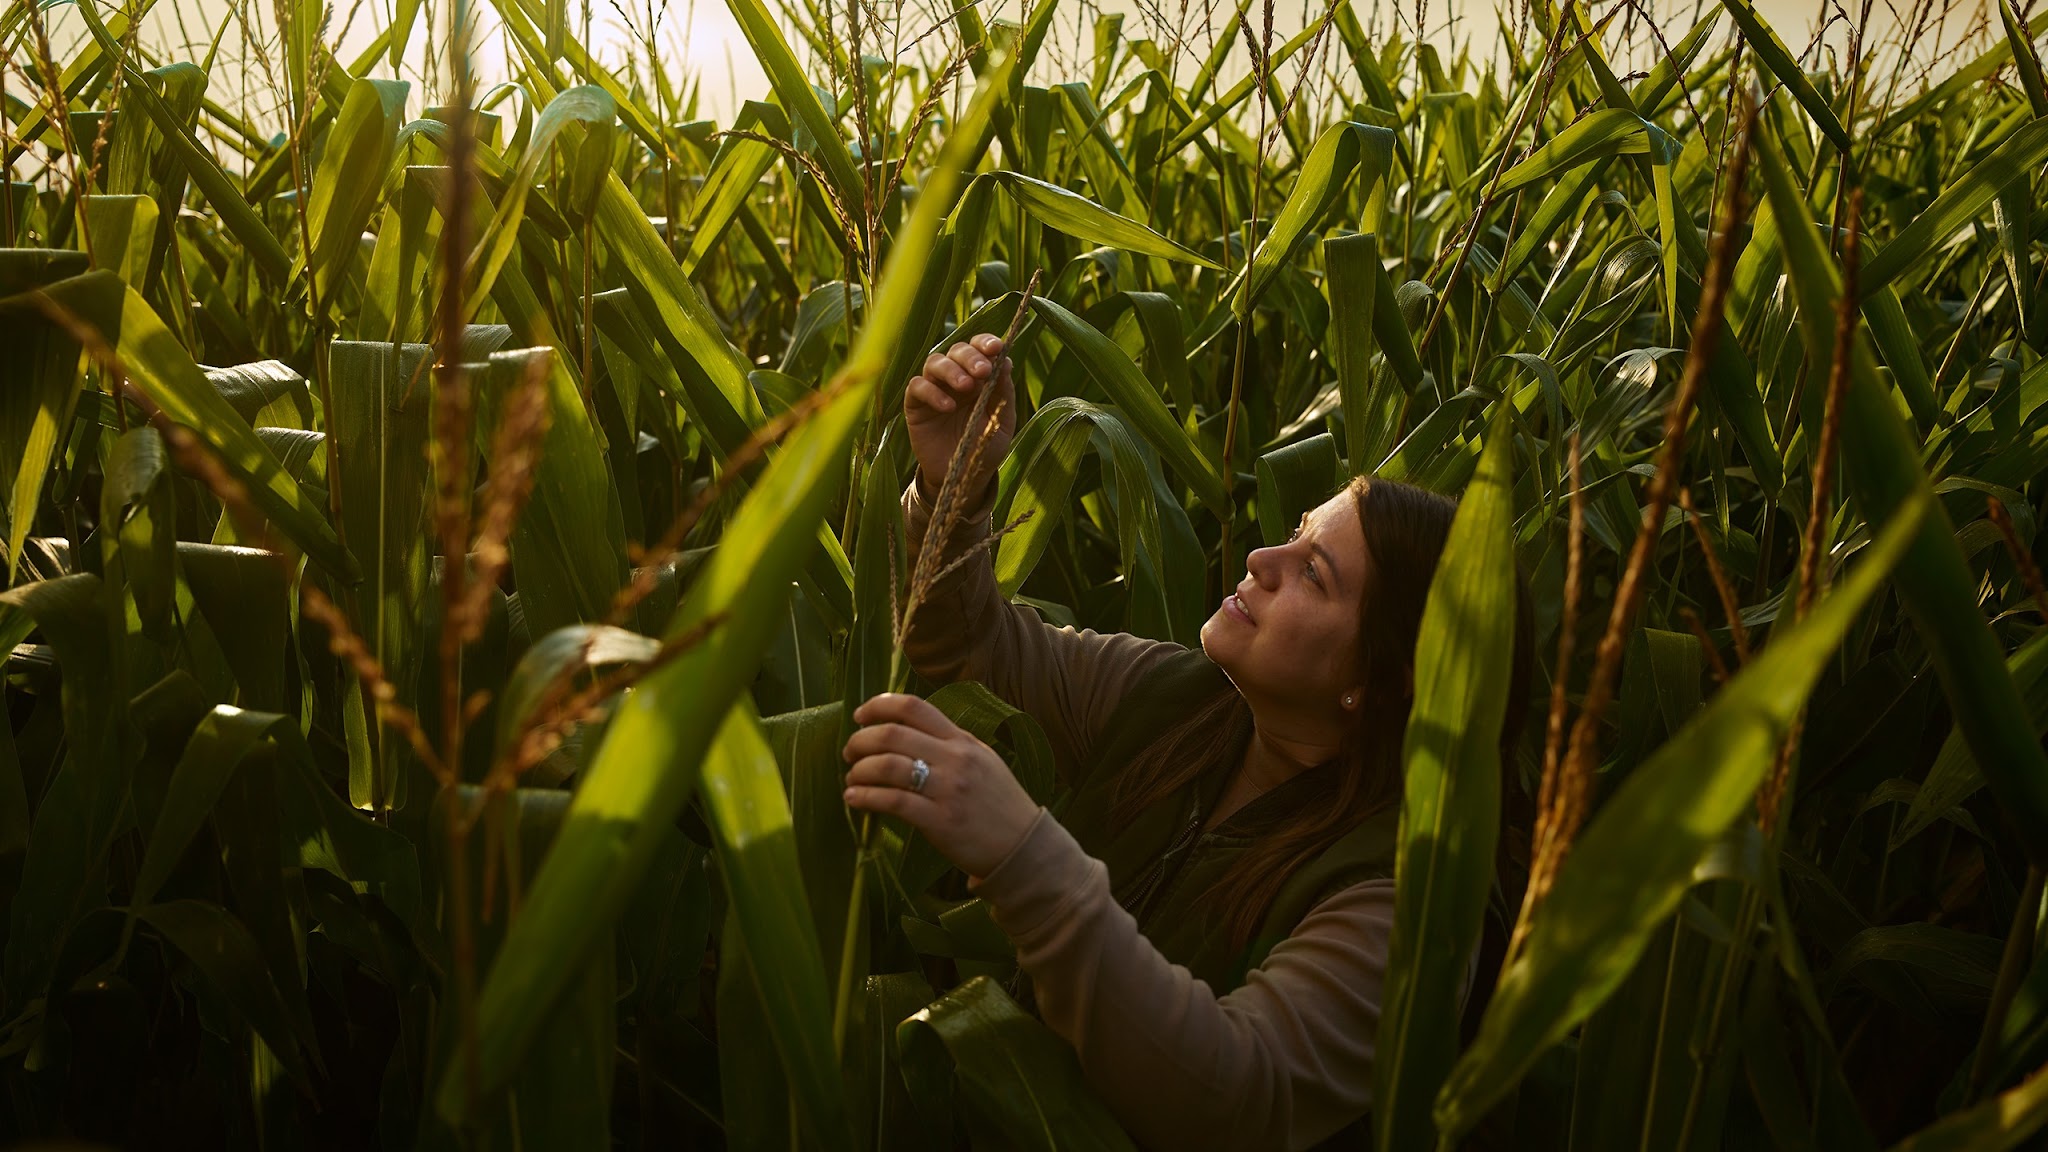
<point>1405,530</point>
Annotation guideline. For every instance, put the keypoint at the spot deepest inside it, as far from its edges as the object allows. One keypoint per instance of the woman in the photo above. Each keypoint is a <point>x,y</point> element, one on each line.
<point>1206,918</point>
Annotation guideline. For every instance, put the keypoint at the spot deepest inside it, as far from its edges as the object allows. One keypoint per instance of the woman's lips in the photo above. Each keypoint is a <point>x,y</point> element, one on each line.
<point>1234,605</point>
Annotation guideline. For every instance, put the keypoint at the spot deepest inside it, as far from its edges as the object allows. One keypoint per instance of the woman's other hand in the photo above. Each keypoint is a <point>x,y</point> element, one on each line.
<point>972,809</point>
<point>937,403</point>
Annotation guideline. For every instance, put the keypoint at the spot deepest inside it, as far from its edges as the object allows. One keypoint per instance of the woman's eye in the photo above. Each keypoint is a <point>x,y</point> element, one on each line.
<point>1310,568</point>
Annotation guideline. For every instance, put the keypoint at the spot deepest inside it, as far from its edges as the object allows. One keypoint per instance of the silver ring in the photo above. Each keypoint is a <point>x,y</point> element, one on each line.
<point>919,773</point>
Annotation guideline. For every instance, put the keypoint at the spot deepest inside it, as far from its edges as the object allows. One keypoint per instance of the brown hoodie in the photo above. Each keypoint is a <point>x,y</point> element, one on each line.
<point>1280,1063</point>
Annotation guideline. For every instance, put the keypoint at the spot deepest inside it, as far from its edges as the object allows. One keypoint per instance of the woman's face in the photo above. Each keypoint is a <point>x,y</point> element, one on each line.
<point>1288,634</point>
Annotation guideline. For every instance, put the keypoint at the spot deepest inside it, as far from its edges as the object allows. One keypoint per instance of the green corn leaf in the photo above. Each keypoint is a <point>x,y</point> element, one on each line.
<point>1341,150</point>
<point>86,65</point>
<point>807,747</point>
<point>319,829</point>
<point>1635,860</point>
<point>1898,344</point>
<point>1107,169</point>
<point>248,227</point>
<point>42,384</point>
<point>1238,93</point>
<point>408,242</point>
<point>758,859</point>
<point>118,318</point>
<point>568,546</point>
<point>245,825</point>
<point>75,817</point>
<point>383,396</point>
<point>1142,406</point>
<point>1292,480</point>
<point>123,235</point>
<point>1372,405</point>
<point>1017,1083</point>
<point>138,504</point>
<point>675,311</point>
<point>737,167</point>
<point>704,364</point>
<point>586,104</point>
<point>584,646</point>
<point>1450,807</point>
<point>1771,51</point>
<point>1963,80</point>
<point>669,720</point>
<point>2005,1121</point>
<point>361,141</point>
<point>880,563</point>
<point>1392,329</point>
<point>622,321</point>
<point>1669,71</point>
<point>1596,136</point>
<point>1955,774</point>
<point>266,393</point>
<point>404,14</point>
<point>519,21</point>
<point>244,596</point>
<point>1882,467</point>
<point>794,91</point>
<point>1564,200</point>
<point>217,748</point>
<point>755,1105</point>
<point>2011,219</point>
<point>224,952</point>
<point>1038,477</point>
<point>2025,60</point>
<point>2014,159</point>
<point>1078,216</point>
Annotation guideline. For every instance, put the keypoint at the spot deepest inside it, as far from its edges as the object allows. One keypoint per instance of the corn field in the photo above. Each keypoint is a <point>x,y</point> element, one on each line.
<point>448,529</point>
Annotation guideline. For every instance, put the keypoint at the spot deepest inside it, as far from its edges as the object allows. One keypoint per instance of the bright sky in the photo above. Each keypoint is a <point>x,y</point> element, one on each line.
<point>705,38</point>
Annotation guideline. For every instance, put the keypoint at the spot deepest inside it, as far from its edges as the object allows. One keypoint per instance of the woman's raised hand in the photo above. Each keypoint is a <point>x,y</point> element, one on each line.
<point>971,807</point>
<point>937,403</point>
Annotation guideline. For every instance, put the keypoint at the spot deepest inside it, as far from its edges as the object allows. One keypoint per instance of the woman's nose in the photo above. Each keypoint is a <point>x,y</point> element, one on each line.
<point>1258,563</point>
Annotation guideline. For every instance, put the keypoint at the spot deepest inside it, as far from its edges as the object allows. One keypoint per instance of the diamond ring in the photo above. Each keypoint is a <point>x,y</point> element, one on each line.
<point>919,773</point>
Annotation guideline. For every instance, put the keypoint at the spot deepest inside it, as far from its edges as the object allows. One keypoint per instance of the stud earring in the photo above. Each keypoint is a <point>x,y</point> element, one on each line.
<point>1347,701</point>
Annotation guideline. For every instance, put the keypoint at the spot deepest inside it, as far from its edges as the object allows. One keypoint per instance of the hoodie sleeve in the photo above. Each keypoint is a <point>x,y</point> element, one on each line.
<point>1068,680</point>
<point>1281,1063</point>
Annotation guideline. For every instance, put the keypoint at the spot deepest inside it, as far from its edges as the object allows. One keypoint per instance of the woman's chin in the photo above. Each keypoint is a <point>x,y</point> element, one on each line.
<point>1217,643</point>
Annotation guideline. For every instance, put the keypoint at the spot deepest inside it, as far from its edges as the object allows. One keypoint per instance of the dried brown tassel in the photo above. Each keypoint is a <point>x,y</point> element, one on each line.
<point>347,646</point>
<point>982,545</point>
<point>2030,573</point>
<point>515,461</point>
<point>1553,736</point>
<point>848,232</point>
<point>930,104</point>
<point>951,502</point>
<point>647,574</point>
<point>1723,587</point>
<point>1698,628</point>
<point>1770,798</point>
<point>1581,753</point>
<point>561,708</point>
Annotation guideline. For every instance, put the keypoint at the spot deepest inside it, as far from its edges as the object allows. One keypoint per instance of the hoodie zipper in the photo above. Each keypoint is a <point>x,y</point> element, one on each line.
<point>1141,892</point>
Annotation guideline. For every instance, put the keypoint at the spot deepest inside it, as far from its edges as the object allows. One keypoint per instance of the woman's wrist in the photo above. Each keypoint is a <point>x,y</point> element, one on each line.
<point>1039,878</point>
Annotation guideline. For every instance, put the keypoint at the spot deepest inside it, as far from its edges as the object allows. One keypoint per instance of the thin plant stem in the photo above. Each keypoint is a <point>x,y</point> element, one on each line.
<point>946,511</point>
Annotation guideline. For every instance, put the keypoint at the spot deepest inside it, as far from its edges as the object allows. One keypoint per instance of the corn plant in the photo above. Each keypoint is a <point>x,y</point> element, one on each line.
<point>450,518</point>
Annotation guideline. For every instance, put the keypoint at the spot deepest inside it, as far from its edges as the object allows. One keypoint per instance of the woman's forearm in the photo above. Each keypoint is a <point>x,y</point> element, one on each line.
<point>1069,680</point>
